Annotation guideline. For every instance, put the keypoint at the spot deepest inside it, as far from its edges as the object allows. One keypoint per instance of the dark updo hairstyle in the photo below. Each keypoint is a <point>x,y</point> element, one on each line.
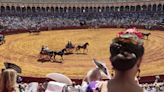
<point>124,55</point>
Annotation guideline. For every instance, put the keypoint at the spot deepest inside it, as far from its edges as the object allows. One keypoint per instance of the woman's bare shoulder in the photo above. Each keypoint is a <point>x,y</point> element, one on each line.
<point>105,87</point>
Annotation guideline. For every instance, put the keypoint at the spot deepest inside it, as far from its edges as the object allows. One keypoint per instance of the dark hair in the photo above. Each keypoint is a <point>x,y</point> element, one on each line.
<point>125,55</point>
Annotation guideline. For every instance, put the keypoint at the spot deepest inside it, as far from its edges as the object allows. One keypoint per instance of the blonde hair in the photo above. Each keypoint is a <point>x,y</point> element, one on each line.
<point>8,81</point>
<point>93,75</point>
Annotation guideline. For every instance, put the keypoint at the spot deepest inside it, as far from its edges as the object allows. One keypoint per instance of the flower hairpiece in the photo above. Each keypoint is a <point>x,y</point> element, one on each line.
<point>128,38</point>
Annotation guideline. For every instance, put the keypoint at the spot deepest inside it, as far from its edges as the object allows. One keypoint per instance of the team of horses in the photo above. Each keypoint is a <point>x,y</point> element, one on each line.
<point>77,48</point>
<point>51,54</point>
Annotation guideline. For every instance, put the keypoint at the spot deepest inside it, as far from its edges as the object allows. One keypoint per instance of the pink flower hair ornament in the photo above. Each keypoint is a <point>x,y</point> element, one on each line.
<point>127,37</point>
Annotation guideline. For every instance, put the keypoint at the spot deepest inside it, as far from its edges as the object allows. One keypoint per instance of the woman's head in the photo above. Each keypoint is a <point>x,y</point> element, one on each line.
<point>8,80</point>
<point>126,50</point>
<point>93,75</point>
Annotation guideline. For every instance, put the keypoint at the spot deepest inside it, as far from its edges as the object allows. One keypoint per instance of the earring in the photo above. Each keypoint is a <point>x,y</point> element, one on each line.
<point>112,73</point>
<point>138,75</point>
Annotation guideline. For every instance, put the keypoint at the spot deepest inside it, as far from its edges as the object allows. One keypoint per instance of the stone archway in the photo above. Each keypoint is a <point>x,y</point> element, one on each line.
<point>38,9</point>
<point>144,8</point>
<point>132,8</point>
<point>8,9</point>
<point>52,9</point>
<point>159,7</point>
<point>154,7</point>
<point>28,9</point>
<point>121,8</point>
<point>149,8</point>
<point>127,8</point>
<point>33,9</point>
<point>138,8</point>
<point>112,8</point>
<point>107,9</point>
<point>78,9</point>
<point>74,9</point>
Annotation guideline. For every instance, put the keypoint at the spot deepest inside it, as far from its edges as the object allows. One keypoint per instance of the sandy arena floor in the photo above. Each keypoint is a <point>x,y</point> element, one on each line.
<point>23,50</point>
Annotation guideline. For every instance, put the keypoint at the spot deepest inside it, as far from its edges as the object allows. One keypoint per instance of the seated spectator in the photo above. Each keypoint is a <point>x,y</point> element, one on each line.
<point>93,75</point>
<point>46,48</point>
<point>92,79</point>
<point>32,87</point>
<point>55,87</point>
<point>84,84</point>
<point>126,55</point>
<point>60,83</point>
<point>8,81</point>
<point>162,87</point>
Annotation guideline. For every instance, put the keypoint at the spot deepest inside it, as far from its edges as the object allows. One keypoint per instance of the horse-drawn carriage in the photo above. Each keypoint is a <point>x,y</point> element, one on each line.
<point>2,39</point>
<point>50,55</point>
<point>34,30</point>
<point>70,48</point>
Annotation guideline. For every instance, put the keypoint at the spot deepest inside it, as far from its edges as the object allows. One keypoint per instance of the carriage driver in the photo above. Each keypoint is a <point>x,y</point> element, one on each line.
<point>45,48</point>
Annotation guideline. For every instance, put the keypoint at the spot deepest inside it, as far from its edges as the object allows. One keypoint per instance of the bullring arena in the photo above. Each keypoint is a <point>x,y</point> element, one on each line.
<point>40,39</point>
<point>23,49</point>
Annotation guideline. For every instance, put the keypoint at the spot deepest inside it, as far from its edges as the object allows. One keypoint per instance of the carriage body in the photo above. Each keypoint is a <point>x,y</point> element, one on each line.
<point>69,48</point>
<point>34,30</point>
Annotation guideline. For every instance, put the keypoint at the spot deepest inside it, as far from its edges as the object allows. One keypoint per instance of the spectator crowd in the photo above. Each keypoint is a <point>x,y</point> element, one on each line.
<point>147,19</point>
<point>125,61</point>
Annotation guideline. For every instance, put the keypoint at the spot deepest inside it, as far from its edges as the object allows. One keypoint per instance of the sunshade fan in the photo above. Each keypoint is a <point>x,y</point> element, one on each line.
<point>13,66</point>
<point>102,67</point>
<point>59,78</point>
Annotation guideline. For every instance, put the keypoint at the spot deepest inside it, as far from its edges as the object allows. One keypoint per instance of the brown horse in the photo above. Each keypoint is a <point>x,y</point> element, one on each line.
<point>59,53</point>
<point>46,54</point>
<point>146,35</point>
<point>84,47</point>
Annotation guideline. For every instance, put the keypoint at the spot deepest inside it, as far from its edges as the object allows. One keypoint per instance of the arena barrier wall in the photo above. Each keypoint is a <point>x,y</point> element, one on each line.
<point>143,79</point>
<point>16,31</point>
<point>28,79</point>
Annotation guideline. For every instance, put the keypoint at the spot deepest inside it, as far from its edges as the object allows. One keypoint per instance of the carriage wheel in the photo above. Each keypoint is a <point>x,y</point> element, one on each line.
<point>41,56</point>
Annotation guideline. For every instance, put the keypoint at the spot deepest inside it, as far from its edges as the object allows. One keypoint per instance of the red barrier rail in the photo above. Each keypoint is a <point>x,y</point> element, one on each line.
<point>16,31</point>
<point>144,79</point>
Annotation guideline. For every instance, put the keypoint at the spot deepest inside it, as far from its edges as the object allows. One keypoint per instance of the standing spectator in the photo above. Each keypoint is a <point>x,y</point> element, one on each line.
<point>8,81</point>
<point>126,55</point>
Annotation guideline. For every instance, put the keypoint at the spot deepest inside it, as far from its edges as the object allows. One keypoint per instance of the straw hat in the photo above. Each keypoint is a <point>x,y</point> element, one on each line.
<point>55,86</point>
<point>59,78</point>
